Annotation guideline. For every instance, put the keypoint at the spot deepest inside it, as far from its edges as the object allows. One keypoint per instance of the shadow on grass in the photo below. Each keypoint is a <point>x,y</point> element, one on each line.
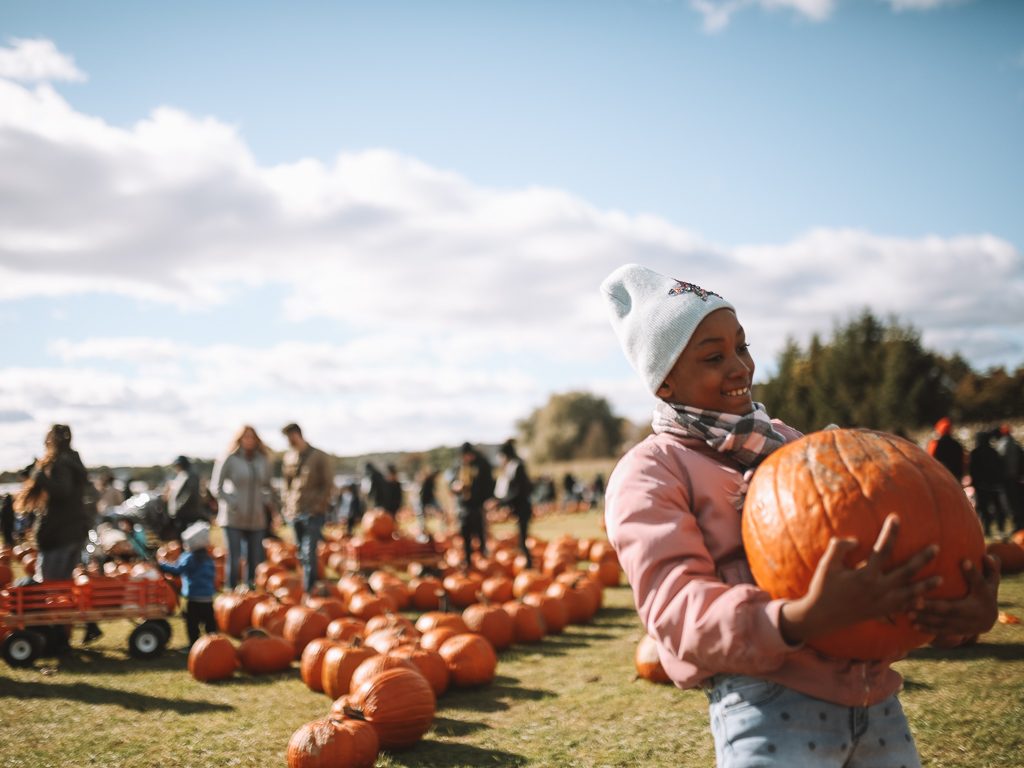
<point>1000,651</point>
<point>494,697</point>
<point>444,754</point>
<point>89,661</point>
<point>445,726</point>
<point>914,685</point>
<point>88,693</point>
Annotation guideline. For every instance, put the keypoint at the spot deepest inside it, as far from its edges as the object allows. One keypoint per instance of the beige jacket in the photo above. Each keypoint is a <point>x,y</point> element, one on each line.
<point>308,482</point>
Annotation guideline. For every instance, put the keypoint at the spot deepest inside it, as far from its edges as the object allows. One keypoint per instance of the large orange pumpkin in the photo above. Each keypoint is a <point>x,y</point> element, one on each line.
<point>527,620</point>
<point>212,657</point>
<point>844,482</point>
<point>375,665</point>
<point>398,703</point>
<point>233,611</point>
<point>344,629</point>
<point>333,744</point>
<point>491,622</point>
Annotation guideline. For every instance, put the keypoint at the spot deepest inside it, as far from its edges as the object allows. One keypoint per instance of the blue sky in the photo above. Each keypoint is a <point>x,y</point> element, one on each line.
<point>497,160</point>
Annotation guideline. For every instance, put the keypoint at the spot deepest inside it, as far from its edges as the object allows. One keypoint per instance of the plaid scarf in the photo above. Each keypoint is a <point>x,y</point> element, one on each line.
<point>747,439</point>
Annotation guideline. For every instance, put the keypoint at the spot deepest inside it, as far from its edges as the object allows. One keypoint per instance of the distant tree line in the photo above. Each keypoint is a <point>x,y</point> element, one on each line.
<point>878,374</point>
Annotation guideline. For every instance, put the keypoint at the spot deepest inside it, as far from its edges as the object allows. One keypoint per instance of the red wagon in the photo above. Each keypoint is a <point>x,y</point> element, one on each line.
<point>25,610</point>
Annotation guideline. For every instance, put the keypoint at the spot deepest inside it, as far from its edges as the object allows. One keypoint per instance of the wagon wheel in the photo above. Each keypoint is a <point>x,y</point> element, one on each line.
<point>22,647</point>
<point>147,641</point>
<point>165,626</point>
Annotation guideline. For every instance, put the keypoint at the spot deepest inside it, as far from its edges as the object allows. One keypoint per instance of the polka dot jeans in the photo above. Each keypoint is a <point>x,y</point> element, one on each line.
<point>760,724</point>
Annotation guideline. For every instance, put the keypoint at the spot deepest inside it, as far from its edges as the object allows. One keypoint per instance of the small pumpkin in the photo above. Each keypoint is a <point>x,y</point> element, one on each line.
<point>497,589</point>
<point>262,654</point>
<point>648,665</point>
<point>398,703</point>
<point>530,580</point>
<point>269,615</point>
<point>553,609</point>
<point>365,605</point>
<point>212,657</point>
<point>527,622</point>
<point>329,743</point>
<point>491,622</point>
<point>312,663</point>
<point>423,593</point>
<point>437,619</point>
<point>233,611</point>
<point>374,665</point>
<point>344,629</point>
<point>378,524</point>
<point>430,664</point>
<point>461,590</point>
<point>471,660</point>
<point>302,625</point>
<point>433,639</point>
<point>338,665</point>
<point>1010,554</point>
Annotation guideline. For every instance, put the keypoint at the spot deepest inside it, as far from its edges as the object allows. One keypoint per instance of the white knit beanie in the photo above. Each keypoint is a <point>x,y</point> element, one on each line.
<point>654,317</point>
<point>196,536</point>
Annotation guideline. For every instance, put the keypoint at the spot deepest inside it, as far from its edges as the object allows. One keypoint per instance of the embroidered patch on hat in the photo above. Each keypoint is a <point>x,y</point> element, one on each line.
<point>680,288</point>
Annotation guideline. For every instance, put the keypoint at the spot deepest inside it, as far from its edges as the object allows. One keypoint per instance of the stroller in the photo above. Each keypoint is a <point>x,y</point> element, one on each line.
<point>131,531</point>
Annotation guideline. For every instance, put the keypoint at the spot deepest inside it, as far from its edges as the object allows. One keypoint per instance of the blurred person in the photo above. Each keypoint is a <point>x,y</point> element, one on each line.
<point>512,489</point>
<point>597,491</point>
<point>570,492</point>
<point>198,575</point>
<point>946,449</point>
<point>109,495</point>
<point>56,487</point>
<point>390,497</point>
<point>184,504</point>
<point>350,507</point>
<point>308,484</point>
<point>473,486</point>
<point>986,470</point>
<point>7,520</point>
<point>1010,452</point>
<point>426,499</point>
<point>241,483</point>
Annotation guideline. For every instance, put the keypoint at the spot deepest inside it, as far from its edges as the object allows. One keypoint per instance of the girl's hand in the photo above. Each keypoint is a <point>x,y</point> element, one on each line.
<point>970,615</point>
<point>840,596</point>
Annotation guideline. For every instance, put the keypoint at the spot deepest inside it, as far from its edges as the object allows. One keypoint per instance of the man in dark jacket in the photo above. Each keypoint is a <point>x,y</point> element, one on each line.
<point>946,449</point>
<point>473,485</point>
<point>987,478</point>
<point>513,490</point>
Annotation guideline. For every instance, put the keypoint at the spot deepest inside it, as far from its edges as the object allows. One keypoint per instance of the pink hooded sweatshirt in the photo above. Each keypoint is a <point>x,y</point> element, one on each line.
<point>672,517</point>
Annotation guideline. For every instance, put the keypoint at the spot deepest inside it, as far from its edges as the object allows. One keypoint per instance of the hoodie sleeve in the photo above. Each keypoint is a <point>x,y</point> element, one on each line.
<point>695,617</point>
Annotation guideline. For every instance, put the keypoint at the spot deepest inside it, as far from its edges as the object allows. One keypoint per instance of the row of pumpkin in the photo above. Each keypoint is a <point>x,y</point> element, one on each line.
<point>385,671</point>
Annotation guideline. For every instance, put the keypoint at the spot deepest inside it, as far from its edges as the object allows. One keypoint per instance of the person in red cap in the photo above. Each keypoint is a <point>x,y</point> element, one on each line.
<point>946,449</point>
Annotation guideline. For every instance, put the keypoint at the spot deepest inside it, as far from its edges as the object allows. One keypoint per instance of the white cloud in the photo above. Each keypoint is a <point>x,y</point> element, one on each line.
<point>34,60</point>
<point>718,13</point>
<point>922,5</point>
<point>453,308</point>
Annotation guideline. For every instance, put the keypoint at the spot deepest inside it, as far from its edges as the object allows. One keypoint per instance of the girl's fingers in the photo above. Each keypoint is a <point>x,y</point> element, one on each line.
<point>886,540</point>
<point>832,560</point>
<point>910,568</point>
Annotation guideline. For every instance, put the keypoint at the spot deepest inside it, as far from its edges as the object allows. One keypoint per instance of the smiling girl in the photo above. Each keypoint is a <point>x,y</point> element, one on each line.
<point>673,516</point>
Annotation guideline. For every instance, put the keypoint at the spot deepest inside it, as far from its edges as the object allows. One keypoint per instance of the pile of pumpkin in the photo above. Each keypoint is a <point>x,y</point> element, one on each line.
<point>385,671</point>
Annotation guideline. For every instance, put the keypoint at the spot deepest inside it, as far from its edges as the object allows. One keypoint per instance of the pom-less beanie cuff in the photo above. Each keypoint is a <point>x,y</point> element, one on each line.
<point>654,317</point>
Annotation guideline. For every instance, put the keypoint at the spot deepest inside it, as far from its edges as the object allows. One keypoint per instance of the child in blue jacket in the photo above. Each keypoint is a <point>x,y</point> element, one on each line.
<point>197,571</point>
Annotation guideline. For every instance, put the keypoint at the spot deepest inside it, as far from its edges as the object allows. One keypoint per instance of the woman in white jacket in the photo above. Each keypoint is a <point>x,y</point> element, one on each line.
<point>241,483</point>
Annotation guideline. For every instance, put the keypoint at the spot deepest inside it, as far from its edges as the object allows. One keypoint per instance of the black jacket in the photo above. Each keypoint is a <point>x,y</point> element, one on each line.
<point>64,520</point>
<point>950,454</point>
<point>517,498</point>
<point>477,483</point>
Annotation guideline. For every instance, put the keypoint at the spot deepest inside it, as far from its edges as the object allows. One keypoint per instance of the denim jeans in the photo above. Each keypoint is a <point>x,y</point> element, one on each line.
<point>58,563</point>
<point>760,724</point>
<point>252,543</point>
<point>307,536</point>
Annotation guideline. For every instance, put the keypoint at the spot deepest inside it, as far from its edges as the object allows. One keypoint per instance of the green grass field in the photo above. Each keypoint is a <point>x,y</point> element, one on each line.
<point>571,700</point>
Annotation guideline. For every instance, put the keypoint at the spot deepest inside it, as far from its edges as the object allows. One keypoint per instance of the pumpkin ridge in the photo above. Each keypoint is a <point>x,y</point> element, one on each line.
<point>785,518</point>
<point>851,470</point>
<point>924,479</point>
